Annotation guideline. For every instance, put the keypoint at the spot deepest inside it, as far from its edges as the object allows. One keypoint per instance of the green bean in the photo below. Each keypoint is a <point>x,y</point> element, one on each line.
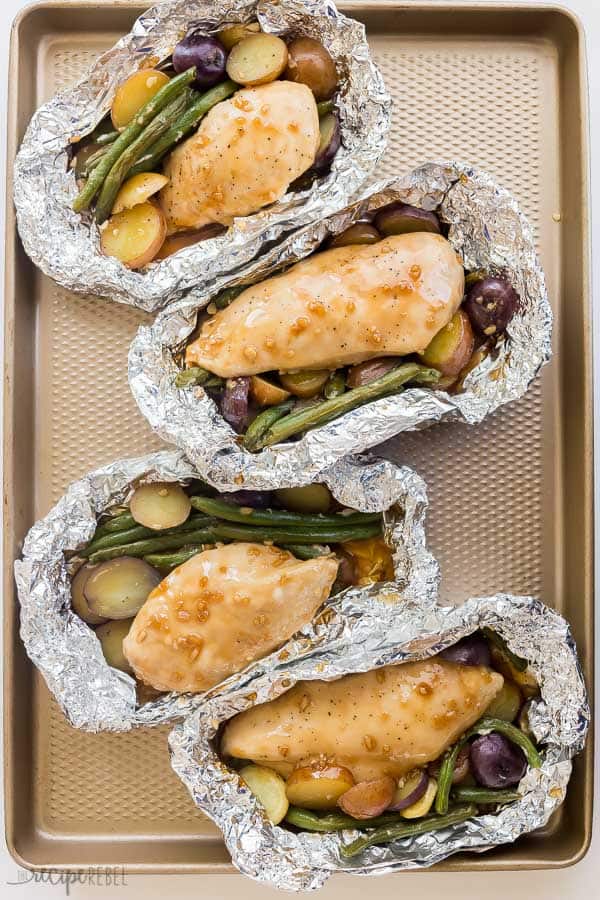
<point>307,551</point>
<point>94,160</point>
<point>195,375</point>
<point>121,522</point>
<point>161,99</point>
<point>260,426</point>
<point>172,560</point>
<point>109,137</point>
<point>154,545</point>
<point>517,662</point>
<point>325,411</point>
<point>484,726</point>
<point>483,795</point>
<point>185,123</point>
<point>324,107</point>
<point>335,385</point>
<point>334,821</point>
<point>121,538</point>
<point>408,829</point>
<point>132,153</point>
<point>231,512</point>
<point>227,296</point>
<point>282,535</point>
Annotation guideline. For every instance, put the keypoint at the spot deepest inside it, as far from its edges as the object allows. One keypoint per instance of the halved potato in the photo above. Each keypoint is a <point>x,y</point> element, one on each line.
<point>266,393</point>
<point>135,235</point>
<point>269,789</point>
<point>111,637</point>
<point>422,806</point>
<point>118,588</point>
<point>78,600</point>
<point>257,59</point>
<point>314,787</point>
<point>160,505</point>
<point>135,93</point>
<point>305,384</point>
<point>233,34</point>
<point>138,189</point>
<point>311,498</point>
<point>368,798</point>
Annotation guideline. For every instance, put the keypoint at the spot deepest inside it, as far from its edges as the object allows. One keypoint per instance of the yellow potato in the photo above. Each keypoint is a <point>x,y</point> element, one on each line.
<point>138,189</point>
<point>135,93</point>
<point>111,636</point>
<point>159,505</point>
<point>269,789</point>
<point>305,384</point>
<point>233,34</point>
<point>314,787</point>
<point>135,235</point>
<point>368,798</point>
<point>311,498</point>
<point>266,393</point>
<point>257,59</point>
<point>422,806</point>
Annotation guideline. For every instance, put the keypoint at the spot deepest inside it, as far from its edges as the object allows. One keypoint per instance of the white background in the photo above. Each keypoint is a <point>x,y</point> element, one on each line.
<point>581,881</point>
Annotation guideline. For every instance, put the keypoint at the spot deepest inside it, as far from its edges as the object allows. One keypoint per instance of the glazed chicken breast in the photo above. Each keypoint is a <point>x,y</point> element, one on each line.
<point>338,307</point>
<point>222,609</point>
<point>245,155</point>
<point>383,722</point>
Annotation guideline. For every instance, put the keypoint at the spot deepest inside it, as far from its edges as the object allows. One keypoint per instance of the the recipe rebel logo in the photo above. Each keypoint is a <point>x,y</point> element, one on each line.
<point>101,876</point>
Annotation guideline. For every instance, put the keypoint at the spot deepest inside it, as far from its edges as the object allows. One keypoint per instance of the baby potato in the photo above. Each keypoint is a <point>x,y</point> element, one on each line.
<point>524,679</point>
<point>269,789</point>
<point>111,637</point>
<point>137,190</point>
<point>257,59</point>
<point>368,798</point>
<point>135,93</point>
<point>159,505</point>
<point>118,588</point>
<point>135,235</point>
<point>304,384</point>
<point>423,805</point>
<point>359,233</point>
<point>312,498</point>
<point>451,348</point>
<point>233,34</point>
<point>311,64</point>
<point>314,787</point>
<point>507,703</point>
<point>265,392</point>
<point>78,600</point>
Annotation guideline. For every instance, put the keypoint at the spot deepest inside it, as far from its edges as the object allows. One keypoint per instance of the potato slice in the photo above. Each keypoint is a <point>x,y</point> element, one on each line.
<point>507,703</point>
<point>368,798</point>
<point>138,189</point>
<point>118,588</point>
<point>305,384</point>
<point>266,393</point>
<point>233,34</point>
<point>159,505</point>
<point>135,93</point>
<point>78,600</point>
<point>450,350</point>
<point>111,637</point>
<point>269,789</point>
<point>422,806</point>
<point>318,787</point>
<point>257,59</point>
<point>135,235</point>
<point>311,498</point>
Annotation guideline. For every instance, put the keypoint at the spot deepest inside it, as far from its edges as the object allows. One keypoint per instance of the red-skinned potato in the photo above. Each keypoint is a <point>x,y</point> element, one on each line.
<point>311,64</point>
<point>368,798</point>
<point>451,348</point>
<point>318,787</point>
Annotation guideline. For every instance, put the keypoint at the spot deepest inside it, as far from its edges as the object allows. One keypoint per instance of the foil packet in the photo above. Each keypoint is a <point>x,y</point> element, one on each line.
<point>66,246</point>
<point>356,632</point>
<point>487,229</point>
<point>93,695</point>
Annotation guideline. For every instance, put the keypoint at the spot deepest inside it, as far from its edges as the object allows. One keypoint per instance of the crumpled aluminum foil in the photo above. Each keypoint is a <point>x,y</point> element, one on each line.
<point>62,244</point>
<point>96,697</point>
<point>357,632</point>
<point>486,228</point>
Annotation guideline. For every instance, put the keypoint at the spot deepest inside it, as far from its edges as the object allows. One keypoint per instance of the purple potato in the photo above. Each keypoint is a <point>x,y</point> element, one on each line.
<point>496,762</point>
<point>490,304</point>
<point>255,499</point>
<point>206,53</point>
<point>472,650</point>
<point>331,139</point>
<point>403,802</point>
<point>401,218</point>
<point>234,403</point>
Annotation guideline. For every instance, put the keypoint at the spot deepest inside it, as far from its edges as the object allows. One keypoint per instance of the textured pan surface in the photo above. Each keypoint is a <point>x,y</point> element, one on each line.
<point>510,501</point>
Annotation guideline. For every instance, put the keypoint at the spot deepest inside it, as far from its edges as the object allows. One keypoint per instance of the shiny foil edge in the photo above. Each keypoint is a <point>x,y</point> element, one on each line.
<point>356,633</point>
<point>96,697</point>
<point>488,230</point>
<point>66,247</point>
